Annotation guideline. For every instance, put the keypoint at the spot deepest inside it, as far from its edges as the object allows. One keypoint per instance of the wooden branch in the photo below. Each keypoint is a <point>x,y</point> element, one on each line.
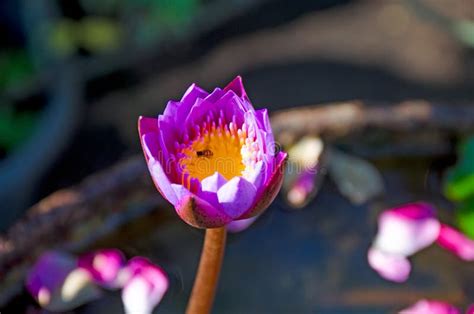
<point>340,119</point>
<point>76,217</point>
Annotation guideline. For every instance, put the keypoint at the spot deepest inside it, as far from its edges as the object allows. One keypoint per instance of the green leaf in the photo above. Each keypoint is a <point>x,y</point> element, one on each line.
<point>15,66</point>
<point>459,180</point>
<point>14,127</point>
<point>465,217</point>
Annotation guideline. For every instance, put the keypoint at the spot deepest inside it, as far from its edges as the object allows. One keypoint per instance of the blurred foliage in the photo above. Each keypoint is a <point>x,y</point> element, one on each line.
<point>15,67</point>
<point>15,127</point>
<point>459,186</point>
<point>465,217</point>
<point>464,30</point>
<point>459,181</point>
<point>108,22</point>
<point>96,34</point>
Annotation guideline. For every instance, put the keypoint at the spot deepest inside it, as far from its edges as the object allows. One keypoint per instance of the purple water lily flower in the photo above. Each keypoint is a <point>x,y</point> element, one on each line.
<point>212,155</point>
<point>145,287</point>
<point>104,266</point>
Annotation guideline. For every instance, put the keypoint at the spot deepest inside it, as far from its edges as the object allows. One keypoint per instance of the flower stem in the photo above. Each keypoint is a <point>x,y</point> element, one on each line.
<point>207,277</point>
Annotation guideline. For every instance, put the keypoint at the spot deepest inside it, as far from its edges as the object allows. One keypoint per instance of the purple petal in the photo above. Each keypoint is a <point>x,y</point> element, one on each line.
<point>456,242</point>
<point>145,288</point>
<point>215,95</point>
<point>236,196</point>
<point>263,120</point>
<point>192,94</point>
<point>407,229</point>
<point>390,266</point>
<point>162,183</point>
<point>49,272</point>
<point>271,188</point>
<point>147,125</point>
<point>213,183</point>
<point>431,307</point>
<point>104,266</point>
<point>240,225</point>
<point>237,87</point>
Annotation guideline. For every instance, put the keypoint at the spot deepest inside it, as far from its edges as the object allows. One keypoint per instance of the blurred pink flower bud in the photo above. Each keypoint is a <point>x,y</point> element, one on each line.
<point>104,266</point>
<point>407,229</point>
<point>431,307</point>
<point>390,266</point>
<point>402,232</point>
<point>456,242</point>
<point>145,287</point>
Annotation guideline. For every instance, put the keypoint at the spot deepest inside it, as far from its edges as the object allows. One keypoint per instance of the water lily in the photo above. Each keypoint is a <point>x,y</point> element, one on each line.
<point>145,287</point>
<point>212,155</point>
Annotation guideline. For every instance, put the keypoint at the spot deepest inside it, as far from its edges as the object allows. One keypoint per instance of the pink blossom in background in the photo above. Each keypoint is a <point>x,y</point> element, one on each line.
<point>58,285</point>
<point>456,242</point>
<point>402,231</point>
<point>145,287</point>
<point>104,266</point>
<point>61,282</point>
<point>389,266</point>
<point>407,229</point>
<point>431,307</point>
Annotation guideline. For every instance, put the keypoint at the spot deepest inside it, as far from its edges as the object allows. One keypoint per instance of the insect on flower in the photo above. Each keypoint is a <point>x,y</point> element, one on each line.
<point>212,156</point>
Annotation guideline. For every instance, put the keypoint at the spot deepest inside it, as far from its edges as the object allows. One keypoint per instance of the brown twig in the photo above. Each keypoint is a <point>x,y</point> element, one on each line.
<point>207,276</point>
<point>340,119</point>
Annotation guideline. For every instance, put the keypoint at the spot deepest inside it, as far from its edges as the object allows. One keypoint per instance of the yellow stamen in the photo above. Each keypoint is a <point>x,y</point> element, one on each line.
<point>217,149</point>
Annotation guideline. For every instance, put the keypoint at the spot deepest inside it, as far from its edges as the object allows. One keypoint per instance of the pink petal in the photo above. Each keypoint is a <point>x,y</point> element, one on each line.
<point>104,266</point>
<point>145,288</point>
<point>456,242</point>
<point>407,229</point>
<point>431,307</point>
<point>390,266</point>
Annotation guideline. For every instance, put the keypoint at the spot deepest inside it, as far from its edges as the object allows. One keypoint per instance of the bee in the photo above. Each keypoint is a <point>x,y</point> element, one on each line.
<point>204,153</point>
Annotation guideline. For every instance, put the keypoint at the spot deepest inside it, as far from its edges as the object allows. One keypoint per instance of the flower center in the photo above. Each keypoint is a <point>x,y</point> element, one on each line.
<point>216,149</point>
